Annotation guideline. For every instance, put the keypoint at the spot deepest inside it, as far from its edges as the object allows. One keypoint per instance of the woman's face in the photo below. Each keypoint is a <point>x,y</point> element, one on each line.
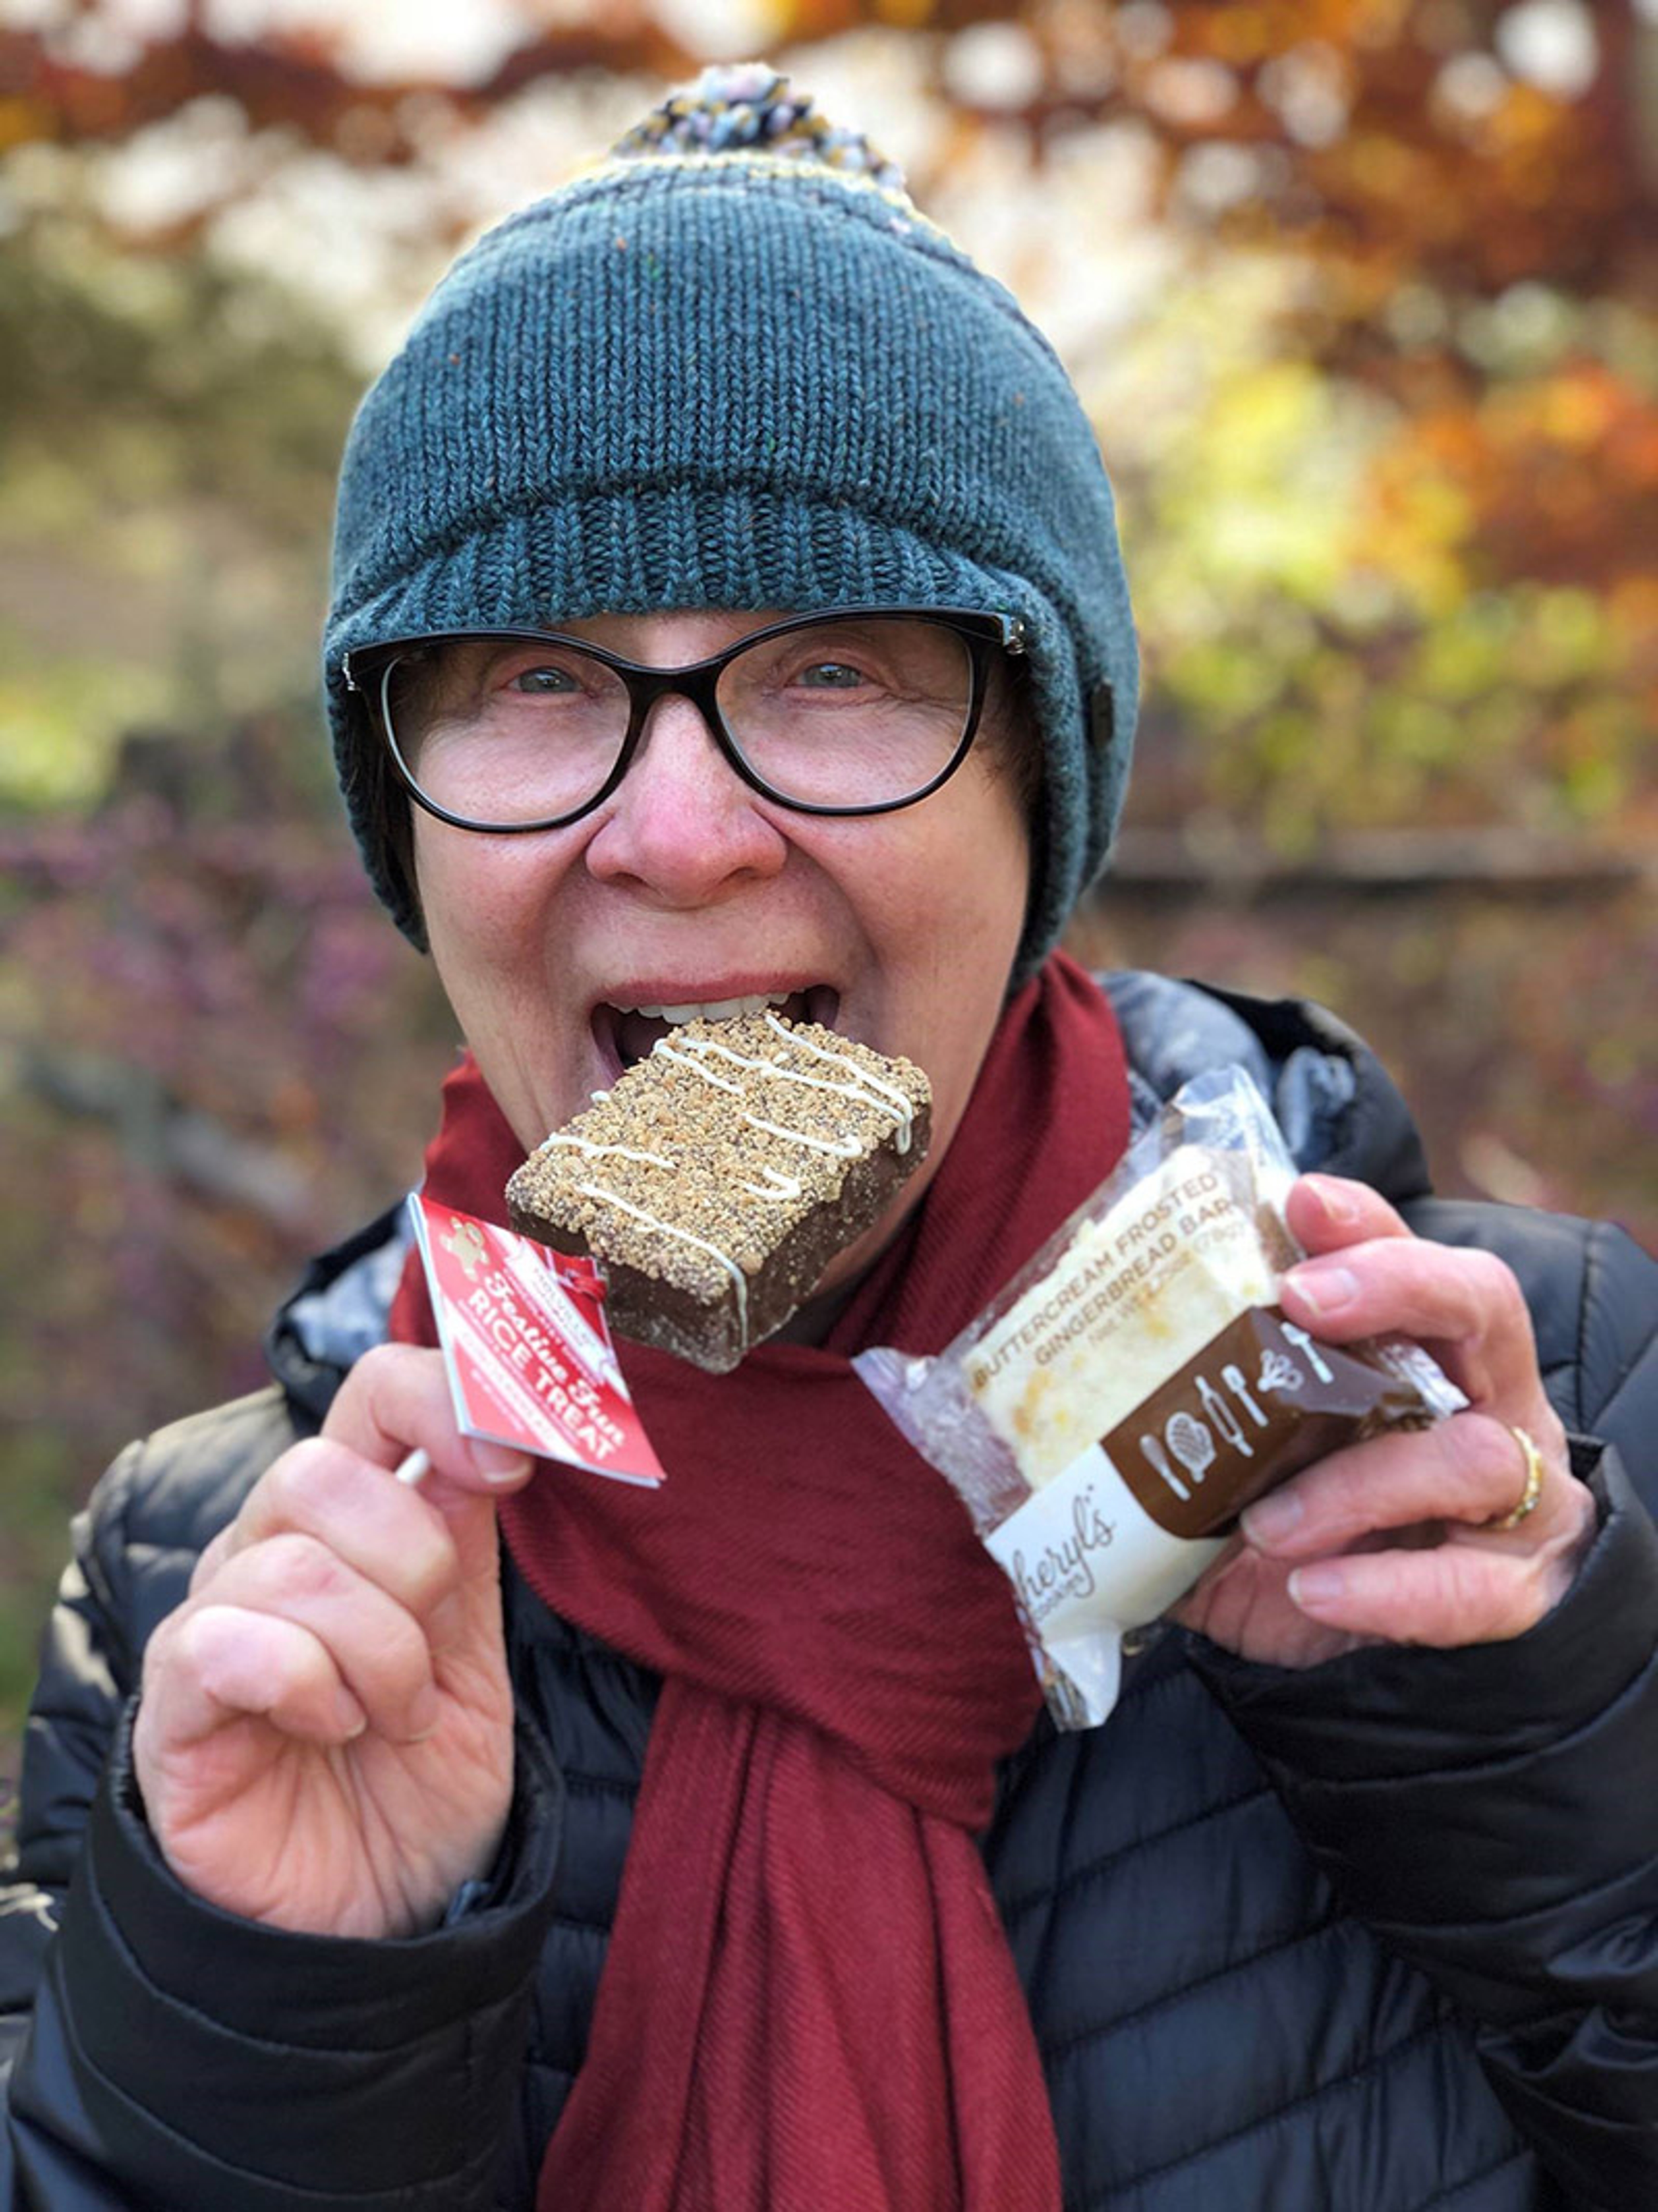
<point>687,889</point>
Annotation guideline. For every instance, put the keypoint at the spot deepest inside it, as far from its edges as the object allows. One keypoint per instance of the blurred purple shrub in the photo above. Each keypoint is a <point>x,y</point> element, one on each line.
<point>220,1055</point>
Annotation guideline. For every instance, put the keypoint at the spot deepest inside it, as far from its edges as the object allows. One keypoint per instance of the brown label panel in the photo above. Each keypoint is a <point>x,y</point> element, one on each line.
<point>1260,1400</point>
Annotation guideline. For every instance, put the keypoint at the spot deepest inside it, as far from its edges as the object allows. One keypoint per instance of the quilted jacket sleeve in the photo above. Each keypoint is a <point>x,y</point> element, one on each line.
<point>161,2054</point>
<point>1492,1813</point>
<point>87,1668</point>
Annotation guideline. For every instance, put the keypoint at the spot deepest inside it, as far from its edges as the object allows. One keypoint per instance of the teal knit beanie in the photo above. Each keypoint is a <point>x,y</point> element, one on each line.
<point>733,367</point>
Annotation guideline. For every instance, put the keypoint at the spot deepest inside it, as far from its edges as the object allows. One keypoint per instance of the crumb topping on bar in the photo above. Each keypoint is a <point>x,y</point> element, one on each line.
<point>702,1157</point>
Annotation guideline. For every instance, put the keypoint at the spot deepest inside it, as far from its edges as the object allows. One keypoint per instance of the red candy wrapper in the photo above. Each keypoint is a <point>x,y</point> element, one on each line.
<point>527,1346</point>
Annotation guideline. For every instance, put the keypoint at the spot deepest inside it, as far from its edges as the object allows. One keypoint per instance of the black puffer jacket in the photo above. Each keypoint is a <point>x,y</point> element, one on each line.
<point>1380,1937</point>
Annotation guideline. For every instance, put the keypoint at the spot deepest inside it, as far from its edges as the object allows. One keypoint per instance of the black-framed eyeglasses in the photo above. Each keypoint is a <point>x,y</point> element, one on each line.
<point>858,711</point>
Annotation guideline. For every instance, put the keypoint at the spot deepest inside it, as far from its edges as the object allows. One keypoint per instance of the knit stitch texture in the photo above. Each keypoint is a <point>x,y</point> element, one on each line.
<point>742,379</point>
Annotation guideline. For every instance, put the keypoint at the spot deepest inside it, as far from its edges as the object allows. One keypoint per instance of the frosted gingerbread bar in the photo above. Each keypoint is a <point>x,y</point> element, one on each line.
<point>715,1182</point>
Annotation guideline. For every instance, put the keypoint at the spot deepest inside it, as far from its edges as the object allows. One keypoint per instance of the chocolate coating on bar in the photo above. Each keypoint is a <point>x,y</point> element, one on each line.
<point>716,1180</point>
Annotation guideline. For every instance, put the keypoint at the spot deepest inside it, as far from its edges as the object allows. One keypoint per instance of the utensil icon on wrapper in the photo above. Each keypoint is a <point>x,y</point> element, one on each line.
<point>1236,1382</point>
<point>1152,1448</point>
<point>1192,1444</point>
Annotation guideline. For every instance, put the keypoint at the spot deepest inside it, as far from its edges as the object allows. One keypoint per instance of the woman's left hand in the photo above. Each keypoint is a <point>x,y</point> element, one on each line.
<point>1393,1540</point>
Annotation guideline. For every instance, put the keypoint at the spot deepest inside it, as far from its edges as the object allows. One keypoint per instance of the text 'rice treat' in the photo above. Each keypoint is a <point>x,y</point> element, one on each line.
<point>715,1182</point>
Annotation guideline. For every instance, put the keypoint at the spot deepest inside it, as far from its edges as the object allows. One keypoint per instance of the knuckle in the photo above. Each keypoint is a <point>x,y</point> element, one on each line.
<point>1491,1462</point>
<point>299,1565</point>
<point>195,1628</point>
<point>311,1480</point>
<point>1498,1300</point>
<point>1580,1507</point>
<point>292,1482</point>
<point>373,1365</point>
<point>189,1652</point>
<point>1486,1599</point>
<point>379,1374</point>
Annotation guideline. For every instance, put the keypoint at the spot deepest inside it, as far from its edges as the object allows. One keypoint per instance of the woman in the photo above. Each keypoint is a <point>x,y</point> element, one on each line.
<point>707,1848</point>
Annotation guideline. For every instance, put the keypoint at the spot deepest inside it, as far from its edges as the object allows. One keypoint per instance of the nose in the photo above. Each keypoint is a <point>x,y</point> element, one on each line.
<point>682,825</point>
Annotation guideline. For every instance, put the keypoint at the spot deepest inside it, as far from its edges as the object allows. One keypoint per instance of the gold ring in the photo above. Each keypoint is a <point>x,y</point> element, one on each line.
<point>1533,1489</point>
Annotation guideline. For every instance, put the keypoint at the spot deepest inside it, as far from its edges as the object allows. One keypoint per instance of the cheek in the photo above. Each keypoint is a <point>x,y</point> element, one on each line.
<point>960,878</point>
<point>967,902</point>
<point>479,896</point>
<point>966,916</point>
<point>452,875</point>
<point>484,903</point>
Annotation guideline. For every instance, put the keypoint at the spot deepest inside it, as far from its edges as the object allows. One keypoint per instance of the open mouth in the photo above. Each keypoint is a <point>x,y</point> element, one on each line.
<point>627,1035</point>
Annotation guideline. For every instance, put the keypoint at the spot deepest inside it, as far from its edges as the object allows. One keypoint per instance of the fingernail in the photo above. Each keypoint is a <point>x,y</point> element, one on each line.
<point>496,1463</point>
<point>424,1711</point>
<point>1332,1197</point>
<point>1312,1587</point>
<point>350,1716</point>
<point>1325,1290</point>
<point>1269,1521</point>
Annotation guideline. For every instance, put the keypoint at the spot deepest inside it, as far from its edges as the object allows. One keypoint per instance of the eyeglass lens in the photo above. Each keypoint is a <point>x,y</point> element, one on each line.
<point>855,712</point>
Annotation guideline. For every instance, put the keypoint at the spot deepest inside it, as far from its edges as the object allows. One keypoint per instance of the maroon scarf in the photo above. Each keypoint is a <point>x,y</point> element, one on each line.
<point>808,1998</point>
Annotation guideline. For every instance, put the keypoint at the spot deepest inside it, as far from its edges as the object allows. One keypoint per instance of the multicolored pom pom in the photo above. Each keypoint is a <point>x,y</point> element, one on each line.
<point>736,105</point>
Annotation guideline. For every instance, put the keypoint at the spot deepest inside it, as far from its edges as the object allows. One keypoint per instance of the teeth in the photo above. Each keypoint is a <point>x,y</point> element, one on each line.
<point>710,1009</point>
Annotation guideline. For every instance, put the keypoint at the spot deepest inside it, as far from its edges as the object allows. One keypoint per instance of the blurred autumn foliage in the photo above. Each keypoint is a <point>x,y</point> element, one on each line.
<point>1361,295</point>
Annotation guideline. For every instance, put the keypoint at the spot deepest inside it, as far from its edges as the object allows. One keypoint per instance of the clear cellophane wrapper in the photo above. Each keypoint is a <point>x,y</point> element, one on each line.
<point>1110,1414</point>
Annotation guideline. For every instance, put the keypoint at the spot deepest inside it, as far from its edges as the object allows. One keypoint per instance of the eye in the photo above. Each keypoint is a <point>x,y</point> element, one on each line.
<point>831,676</point>
<point>543,683</point>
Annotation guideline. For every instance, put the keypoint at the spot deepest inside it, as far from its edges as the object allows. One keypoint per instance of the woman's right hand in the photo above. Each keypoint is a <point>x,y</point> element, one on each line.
<point>325,1737</point>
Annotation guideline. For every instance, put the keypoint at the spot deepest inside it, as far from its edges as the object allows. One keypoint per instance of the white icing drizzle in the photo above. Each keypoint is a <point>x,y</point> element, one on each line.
<point>684,1060</point>
<point>654,1221</point>
<point>782,1185</point>
<point>590,1151</point>
<point>865,1088</point>
<point>904,1114</point>
<point>887,1096</point>
<point>840,1148</point>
